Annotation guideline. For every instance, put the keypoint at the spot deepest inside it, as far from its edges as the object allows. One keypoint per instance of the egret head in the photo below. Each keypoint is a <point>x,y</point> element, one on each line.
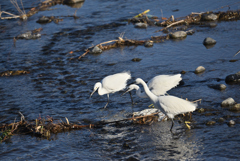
<point>96,86</point>
<point>131,87</point>
<point>138,80</point>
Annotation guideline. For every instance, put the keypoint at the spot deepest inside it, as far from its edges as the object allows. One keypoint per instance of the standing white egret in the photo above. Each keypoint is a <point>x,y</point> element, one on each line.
<point>111,84</point>
<point>169,105</point>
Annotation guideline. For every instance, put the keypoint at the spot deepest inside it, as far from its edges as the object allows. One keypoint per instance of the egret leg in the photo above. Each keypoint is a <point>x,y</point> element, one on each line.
<point>172,125</point>
<point>188,126</point>
<point>107,101</point>
<point>131,97</point>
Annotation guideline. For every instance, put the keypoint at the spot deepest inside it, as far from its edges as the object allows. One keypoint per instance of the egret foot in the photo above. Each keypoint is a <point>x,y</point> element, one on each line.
<point>151,106</point>
<point>186,123</point>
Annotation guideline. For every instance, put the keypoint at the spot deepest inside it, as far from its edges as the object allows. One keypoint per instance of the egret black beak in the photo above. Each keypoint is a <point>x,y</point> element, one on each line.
<point>128,90</point>
<point>92,93</point>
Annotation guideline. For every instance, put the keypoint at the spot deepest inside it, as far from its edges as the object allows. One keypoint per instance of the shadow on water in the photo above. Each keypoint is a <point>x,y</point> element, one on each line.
<point>59,86</point>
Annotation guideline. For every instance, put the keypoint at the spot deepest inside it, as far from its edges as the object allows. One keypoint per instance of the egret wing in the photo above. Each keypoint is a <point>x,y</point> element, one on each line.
<point>116,82</point>
<point>160,84</point>
<point>174,105</point>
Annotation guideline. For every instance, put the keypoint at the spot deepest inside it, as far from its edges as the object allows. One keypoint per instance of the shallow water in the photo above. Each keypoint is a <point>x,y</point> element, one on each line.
<point>59,87</point>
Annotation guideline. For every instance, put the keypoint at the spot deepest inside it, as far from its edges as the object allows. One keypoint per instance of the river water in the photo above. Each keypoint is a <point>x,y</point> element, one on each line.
<point>60,87</point>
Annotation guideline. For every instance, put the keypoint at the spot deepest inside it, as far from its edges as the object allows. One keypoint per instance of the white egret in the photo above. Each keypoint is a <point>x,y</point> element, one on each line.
<point>159,85</point>
<point>169,105</point>
<point>111,84</point>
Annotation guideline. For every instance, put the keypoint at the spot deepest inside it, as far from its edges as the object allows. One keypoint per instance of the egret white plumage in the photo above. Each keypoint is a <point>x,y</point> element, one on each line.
<point>111,84</point>
<point>159,85</point>
<point>169,105</point>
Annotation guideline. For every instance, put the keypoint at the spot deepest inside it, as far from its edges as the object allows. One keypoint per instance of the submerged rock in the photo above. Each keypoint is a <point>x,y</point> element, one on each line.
<point>209,41</point>
<point>96,50</point>
<point>209,17</point>
<point>72,1</point>
<point>199,69</point>
<point>231,123</point>
<point>45,19</point>
<point>211,123</point>
<point>228,102</point>
<point>218,86</point>
<point>148,44</point>
<point>178,35</point>
<point>141,25</point>
<point>233,78</point>
<point>236,107</point>
<point>136,59</point>
<point>29,35</point>
<point>221,119</point>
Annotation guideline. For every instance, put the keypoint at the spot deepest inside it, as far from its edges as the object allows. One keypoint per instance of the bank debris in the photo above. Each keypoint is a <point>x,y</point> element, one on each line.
<point>45,127</point>
<point>13,73</point>
<point>169,26</point>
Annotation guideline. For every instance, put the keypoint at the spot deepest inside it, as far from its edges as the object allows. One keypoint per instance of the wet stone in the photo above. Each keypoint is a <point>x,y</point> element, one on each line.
<point>209,17</point>
<point>218,86</point>
<point>199,69</point>
<point>183,72</point>
<point>233,78</point>
<point>201,110</point>
<point>221,119</point>
<point>45,19</point>
<point>228,102</point>
<point>148,44</point>
<point>72,1</point>
<point>96,50</point>
<point>236,107</point>
<point>132,159</point>
<point>29,35</point>
<point>190,32</point>
<point>136,59</point>
<point>141,25</point>
<point>178,35</point>
<point>209,41</point>
<point>231,123</point>
<point>211,123</point>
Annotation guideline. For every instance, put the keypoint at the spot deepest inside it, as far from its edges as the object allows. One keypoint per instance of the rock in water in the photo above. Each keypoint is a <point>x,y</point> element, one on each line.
<point>178,35</point>
<point>228,102</point>
<point>209,41</point>
<point>199,69</point>
<point>209,17</point>
<point>148,44</point>
<point>218,86</point>
<point>233,78</point>
<point>96,50</point>
<point>141,25</point>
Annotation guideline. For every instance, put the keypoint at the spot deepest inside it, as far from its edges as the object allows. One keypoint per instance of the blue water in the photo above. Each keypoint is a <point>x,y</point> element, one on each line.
<point>59,87</point>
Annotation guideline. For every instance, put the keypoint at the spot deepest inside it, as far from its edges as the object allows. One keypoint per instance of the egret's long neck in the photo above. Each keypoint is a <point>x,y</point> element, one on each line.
<point>147,91</point>
<point>101,91</point>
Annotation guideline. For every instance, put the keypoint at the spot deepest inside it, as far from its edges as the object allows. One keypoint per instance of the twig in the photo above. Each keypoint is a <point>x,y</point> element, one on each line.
<point>174,23</point>
<point>237,53</point>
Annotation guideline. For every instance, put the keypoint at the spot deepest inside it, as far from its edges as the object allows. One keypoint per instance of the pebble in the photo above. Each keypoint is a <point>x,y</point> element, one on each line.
<point>211,123</point>
<point>221,119</point>
<point>136,59</point>
<point>233,78</point>
<point>178,35</point>
<point>231,123</point>
<point>73,1</point>
<point>201,110</point>
<point>199,69</point>
<point>96,50</point>
<point>228,102</point>
<point>148,44</point>
<point>29,35</point>
<point>45,19</point>
<point>236,107</point>
<point>218,86</point>
<point>190,32</point>
<point>209,17</point>
<point>141,25</point>
<point>209,41</point>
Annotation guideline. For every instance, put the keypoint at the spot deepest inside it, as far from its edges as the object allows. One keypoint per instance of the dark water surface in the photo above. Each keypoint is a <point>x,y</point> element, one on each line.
<point>59,87</point>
